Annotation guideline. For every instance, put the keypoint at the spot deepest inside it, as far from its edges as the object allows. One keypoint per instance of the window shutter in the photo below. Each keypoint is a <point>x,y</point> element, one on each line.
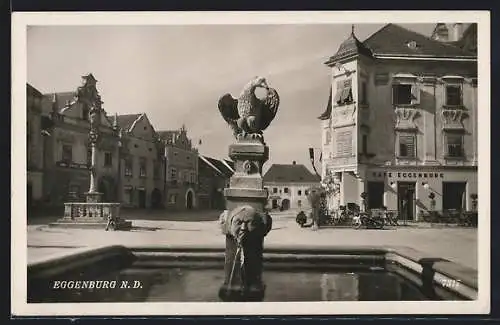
<point>394,94</point>
<point>415,94</point>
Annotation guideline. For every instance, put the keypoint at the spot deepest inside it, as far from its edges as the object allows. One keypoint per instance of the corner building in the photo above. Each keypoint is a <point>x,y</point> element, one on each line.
<point>400,123</point>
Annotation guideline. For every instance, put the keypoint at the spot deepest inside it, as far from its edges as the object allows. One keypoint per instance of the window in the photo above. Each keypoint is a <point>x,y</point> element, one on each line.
<point>173,174</point>
<point>299,203</point>
<point>364,144</point>
<point>454,147</point>
<point>172,199</point>
<point>142,167</point>
<point>285,190</point>
<point>363,94</point>
<point>299,192</point>
<point>344,143</point>
<point>453,95</point>
<point>129,166</point>
<point>404,94</point>
<point>275,190</point>
<point>343,94</point>
<point>67,153</point>
<point>306,192</point>
<point>108,159</point>
<point>407,145</point>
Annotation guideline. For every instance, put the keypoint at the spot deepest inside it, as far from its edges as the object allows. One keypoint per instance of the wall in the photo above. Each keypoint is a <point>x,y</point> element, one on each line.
<point>292,194</point>
<point>140,143</point>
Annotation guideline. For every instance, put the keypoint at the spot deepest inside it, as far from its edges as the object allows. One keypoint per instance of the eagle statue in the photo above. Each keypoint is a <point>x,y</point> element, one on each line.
<point>250,115</point>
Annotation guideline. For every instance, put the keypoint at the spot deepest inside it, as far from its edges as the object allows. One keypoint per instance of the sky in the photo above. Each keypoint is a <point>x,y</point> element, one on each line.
<point>176,74</point>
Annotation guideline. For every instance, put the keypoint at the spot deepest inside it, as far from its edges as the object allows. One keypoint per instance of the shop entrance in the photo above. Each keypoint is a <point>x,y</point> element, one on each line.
<point>375,195</point>
<point>141,194</point>
<point>454,195</point>
<point>406,201</point>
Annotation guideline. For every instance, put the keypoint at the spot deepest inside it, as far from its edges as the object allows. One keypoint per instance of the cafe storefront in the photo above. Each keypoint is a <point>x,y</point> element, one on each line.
<point>408,190</point>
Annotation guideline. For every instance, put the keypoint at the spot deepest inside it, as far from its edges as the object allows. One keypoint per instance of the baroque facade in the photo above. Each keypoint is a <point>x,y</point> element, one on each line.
<point>401,123</point>
<point>141,162</point>
<point>288,186</point>
<point>67,151</point>
<point>181,170</point>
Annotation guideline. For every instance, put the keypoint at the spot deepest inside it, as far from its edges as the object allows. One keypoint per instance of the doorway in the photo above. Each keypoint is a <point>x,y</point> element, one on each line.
<point>406,201</point>
<point>189,200</point>
<point>274,204</point>
<point>156,199</point>
<point>375,195</point>
<point>454,195</point>
<point>141,195</point>
<point>285,204</point>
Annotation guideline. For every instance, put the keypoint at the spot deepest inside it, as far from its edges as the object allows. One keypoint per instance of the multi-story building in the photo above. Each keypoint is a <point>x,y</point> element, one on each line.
<point>67,151</point>
<point>34,144</point>
<point>401,123</point>
<point>181,169</point>
<point>213,177</point>
<point>288,186</point>
<point>141,162</point>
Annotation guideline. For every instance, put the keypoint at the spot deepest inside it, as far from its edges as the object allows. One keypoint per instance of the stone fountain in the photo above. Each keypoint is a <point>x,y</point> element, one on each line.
<point>245,222</point>
<point>92,213</point>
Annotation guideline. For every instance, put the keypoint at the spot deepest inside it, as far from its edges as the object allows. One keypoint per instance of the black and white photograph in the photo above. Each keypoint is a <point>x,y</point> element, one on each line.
<point>273,163</point>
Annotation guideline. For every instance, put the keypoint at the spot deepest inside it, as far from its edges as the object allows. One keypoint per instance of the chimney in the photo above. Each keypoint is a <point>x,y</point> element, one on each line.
<point>294,162</point>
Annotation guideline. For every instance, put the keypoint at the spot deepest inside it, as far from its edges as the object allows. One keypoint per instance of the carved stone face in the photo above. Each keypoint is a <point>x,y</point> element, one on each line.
<point>244,223</point>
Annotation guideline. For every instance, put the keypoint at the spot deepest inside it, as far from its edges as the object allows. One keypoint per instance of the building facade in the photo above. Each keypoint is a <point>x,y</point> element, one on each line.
<point>401,123</point>
<point>288,186</point>
<point>213,177</point>
<point>181,170</point>
<point>67,151</point>
<point>141,162</point>
<point>34,143</point>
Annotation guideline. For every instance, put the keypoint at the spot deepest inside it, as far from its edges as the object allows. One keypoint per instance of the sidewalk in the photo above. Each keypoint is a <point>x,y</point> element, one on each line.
<point>456,244</point>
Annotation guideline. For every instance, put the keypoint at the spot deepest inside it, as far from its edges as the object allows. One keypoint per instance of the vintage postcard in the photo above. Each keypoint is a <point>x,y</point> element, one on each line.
<point>244,163</point>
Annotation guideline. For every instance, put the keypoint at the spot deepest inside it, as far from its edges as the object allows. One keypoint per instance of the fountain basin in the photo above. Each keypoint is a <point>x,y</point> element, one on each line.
<point>195,274</point>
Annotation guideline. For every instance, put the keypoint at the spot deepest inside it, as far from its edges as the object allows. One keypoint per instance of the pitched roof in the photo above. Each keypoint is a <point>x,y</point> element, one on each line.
<point>30,90</point>
<point>393,40</point>
<point>295,173</point>
<point>220,166</point>
<point>62,100</point>
<point>350,47</point>
<point>126,121</point>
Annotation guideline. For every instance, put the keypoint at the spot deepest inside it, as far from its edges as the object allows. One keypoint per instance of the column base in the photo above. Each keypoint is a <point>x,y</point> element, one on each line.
<point>93,197</point>
<point>235,293</point>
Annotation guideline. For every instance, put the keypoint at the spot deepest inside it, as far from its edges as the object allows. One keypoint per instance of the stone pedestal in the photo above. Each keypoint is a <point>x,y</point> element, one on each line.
<point>93,197</point>
<point>245,218</point>
<point>92,214</point>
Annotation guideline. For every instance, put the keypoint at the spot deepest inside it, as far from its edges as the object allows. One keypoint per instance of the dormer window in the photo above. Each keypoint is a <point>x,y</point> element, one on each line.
<point>412,45</point>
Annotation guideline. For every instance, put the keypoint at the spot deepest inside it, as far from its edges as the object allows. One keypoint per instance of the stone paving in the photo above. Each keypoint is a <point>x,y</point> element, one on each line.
<point>456,244</point>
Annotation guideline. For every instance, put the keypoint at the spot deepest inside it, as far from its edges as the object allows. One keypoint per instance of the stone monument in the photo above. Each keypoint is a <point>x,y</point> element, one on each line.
<point>245,222</point>
<point>93,213</point>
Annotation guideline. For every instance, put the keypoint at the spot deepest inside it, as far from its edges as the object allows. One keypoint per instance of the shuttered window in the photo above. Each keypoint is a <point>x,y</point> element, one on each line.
<point>343,95</point>
<point>407,145</point>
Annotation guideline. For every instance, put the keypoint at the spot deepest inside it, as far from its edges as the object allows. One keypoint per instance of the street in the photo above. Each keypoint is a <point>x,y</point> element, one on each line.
<point>160,228</point>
